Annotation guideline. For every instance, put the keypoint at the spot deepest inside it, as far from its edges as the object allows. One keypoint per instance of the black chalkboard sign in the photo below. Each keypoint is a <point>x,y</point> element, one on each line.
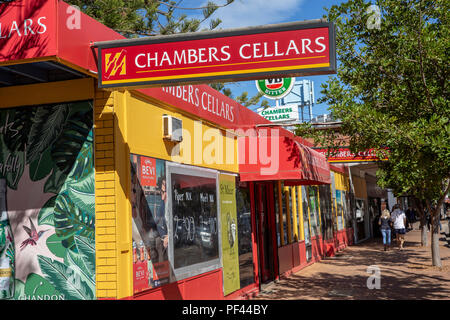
<point>194,214</point>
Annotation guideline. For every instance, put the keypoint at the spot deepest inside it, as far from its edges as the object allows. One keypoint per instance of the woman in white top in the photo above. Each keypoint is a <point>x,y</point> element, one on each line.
<point>398,217</point>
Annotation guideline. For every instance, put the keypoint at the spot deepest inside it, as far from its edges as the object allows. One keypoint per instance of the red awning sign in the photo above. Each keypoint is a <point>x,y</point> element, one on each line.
<point>273,154</point>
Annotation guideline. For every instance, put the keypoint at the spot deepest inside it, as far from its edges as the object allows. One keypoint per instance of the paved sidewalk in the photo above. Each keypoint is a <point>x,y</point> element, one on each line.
<point>406,274</point>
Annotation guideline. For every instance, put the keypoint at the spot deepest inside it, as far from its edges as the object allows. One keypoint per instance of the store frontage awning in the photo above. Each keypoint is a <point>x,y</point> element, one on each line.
<point>267,154</point>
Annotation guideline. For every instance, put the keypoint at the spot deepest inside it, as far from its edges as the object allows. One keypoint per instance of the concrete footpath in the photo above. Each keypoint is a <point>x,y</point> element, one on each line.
<point>403,275</point>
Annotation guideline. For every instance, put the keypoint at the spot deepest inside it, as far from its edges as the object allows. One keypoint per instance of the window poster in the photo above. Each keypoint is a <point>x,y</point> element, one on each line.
<point>228,221</point>
<point>339,209</point>
<point>151,266</point>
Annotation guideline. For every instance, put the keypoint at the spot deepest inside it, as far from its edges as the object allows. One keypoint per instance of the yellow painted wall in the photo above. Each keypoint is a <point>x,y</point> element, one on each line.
<point>46,93</point>
<point>203,144</point>
<point>341,182</point>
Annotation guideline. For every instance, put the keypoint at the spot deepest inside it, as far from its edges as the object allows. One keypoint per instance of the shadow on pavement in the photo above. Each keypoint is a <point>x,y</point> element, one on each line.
<point>404,275</point>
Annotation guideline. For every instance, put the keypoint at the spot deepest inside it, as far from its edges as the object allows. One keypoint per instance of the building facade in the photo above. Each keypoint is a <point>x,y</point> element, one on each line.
<point>100,203</point>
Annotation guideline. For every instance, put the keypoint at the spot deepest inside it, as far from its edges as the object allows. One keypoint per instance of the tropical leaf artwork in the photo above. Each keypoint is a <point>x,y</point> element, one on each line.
<point>19,122</point>
<point>70,220</point>
<point>48,123</point>
<point>66,278</point>
<point>12,164</point>
<point>56,142</point>
<point>74,211</point>
<point>75,278</point>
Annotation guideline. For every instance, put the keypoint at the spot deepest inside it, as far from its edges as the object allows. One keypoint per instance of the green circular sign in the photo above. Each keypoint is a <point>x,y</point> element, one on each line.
<point>275,88</point>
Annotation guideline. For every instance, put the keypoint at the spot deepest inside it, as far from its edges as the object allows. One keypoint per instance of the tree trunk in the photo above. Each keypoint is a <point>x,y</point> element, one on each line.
<point>423,223</point>
<point>424,234</point>
<point>435,233</point>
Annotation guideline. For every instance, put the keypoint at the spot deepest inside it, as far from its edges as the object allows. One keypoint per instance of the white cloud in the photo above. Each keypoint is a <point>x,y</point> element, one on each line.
<point>246,13</point>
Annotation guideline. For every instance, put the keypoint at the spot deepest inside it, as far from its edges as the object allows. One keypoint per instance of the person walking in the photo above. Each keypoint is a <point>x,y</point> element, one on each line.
<point>385,226</point>
<point>398,218</point>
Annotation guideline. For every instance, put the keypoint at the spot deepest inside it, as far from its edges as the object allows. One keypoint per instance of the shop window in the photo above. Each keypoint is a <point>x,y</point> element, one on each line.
<point>277,213</point>
<point>326,211</point>
<point>306,223</point>
<point>284,222</point>
<point>314,211</point>
<point>340,210</point>
<point>193,215</point>
<point>347,209</point>
<point>174,221</point>
<point>246,272</point>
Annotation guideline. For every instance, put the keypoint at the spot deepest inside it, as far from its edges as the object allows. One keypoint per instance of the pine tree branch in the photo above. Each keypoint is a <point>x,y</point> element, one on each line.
<point>197,8</point>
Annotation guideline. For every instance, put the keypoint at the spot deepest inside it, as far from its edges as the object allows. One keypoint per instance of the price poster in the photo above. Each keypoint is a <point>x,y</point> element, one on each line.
<point>230,247</point>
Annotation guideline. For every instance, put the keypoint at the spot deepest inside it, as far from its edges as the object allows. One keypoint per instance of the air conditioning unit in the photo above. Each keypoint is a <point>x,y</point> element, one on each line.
<point>172,128</point>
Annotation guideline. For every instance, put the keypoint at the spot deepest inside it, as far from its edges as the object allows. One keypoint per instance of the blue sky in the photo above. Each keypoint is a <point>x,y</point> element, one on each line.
<point>245,13</point>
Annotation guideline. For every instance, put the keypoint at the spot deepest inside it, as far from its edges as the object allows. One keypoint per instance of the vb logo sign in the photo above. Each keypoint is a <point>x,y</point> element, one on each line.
<point>275,88</point>
<point>115,64</point>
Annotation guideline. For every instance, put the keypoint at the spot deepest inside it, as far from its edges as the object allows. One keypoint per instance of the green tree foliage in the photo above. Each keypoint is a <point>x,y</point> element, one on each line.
<point>149,17</point>
<point>391,90</point>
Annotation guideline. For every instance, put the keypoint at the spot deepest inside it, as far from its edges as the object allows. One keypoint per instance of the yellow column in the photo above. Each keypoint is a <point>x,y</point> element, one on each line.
<point>123,189</point>
<point>105,196</point>
<point>288,215</point>
<point>300,215</point>
<point>280,213</point>
<point>294,213</point>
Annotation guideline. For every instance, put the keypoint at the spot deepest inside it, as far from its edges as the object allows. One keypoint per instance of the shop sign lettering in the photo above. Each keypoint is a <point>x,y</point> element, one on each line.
<point>23,28</point>
<point>345,155</point>
<point>283,113</point>
<point>204,100</point>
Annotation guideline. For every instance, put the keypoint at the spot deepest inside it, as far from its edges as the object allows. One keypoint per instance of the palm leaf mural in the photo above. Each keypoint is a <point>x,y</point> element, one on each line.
<point>19,122</point>
<point>55,181</point>
<point>12,165</point>
<point>48,123</point>
<point>45,215</point>
<point>75,135</point>
<point>83,261</point>
<point>82,193</point>
<point>66,279</point>
<point>41,166</point>
<point>86,250</point>
<point>70,220</point>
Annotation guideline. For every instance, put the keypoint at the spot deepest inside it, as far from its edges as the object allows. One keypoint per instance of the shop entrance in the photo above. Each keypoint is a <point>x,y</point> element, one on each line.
<point>265,221</point>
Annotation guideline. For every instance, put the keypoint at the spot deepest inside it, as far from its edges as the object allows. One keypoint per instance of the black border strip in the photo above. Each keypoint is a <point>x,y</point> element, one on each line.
<point>299,25</point>
<point>190,36</point>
